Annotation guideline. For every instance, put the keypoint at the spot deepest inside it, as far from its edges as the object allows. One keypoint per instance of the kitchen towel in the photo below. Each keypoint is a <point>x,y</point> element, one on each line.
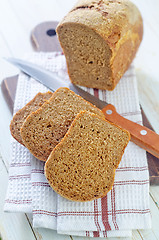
<point>124,208</point>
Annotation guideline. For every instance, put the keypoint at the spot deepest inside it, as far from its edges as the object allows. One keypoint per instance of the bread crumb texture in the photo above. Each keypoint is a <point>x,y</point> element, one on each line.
<point>82,166</point>
<point>44,128</point>
<point>22,114</point>
<point>100,39</point>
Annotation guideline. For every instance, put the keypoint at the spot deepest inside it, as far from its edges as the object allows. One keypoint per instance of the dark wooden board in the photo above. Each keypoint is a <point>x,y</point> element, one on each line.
<point>44,38</point>
<point>8,87</point>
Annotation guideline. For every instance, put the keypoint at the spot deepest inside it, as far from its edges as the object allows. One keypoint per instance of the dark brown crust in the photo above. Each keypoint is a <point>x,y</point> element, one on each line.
<point>118,68</point>
<point>23,113</point>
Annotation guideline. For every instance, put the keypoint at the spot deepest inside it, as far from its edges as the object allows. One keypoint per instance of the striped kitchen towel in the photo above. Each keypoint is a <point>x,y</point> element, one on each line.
<point>124,208</point>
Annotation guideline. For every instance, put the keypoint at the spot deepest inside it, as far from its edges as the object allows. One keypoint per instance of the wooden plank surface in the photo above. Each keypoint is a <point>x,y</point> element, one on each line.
<point>17,19</point>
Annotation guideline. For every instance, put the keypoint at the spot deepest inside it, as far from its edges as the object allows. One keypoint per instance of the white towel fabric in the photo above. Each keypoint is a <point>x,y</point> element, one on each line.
<point>124,208</point>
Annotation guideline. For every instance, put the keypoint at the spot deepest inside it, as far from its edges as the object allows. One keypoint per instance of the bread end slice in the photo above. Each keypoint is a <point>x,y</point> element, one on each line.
<point>22,114</point>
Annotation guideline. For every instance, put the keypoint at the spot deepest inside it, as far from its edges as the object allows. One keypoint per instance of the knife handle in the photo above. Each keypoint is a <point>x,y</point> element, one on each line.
<point>140,135</point>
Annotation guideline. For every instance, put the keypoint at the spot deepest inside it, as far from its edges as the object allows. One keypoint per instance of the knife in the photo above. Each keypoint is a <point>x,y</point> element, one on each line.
<point>140,135</point>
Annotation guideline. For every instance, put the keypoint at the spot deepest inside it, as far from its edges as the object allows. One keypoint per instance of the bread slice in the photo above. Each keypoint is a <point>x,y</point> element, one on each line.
<point>22,114</point>
<point>82,166</point>
<point>100,39</point>
<point>44,129</point>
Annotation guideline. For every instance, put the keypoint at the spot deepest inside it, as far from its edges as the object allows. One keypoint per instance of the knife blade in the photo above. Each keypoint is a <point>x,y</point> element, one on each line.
<point>140,135</point>
<point>52,81</point>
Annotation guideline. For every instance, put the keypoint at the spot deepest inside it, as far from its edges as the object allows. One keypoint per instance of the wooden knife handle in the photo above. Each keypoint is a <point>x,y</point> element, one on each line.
<point>140,135</point>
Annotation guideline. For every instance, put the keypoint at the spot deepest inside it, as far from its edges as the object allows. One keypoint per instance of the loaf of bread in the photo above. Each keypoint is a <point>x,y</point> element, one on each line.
<point>44,128</point>
<point>82,166</point>
<point>22,114</point>
<point>100,39</point>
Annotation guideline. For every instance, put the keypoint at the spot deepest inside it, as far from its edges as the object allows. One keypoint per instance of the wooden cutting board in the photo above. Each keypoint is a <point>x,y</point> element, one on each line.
<point>44,38</point>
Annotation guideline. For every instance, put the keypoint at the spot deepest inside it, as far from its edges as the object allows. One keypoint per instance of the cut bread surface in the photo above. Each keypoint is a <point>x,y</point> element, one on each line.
<point>88,56</point>
<point>82,166</point>
<point>44,129</point>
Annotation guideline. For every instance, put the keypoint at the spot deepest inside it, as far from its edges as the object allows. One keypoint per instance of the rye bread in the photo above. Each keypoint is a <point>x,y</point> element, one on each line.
<point>99,39</point>
<point>22,114</point>
<point>44,128</point>
<point>82,166</point>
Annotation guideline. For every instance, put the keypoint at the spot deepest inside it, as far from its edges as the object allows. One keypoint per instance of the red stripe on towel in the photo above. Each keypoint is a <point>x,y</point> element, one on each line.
<point>104,206</point>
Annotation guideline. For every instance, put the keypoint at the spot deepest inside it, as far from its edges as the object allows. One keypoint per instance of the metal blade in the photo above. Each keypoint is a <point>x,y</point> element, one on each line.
<point>52,80</point>
<point>46,77</point>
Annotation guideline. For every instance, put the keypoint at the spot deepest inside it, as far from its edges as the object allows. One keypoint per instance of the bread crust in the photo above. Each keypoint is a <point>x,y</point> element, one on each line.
<point>23,113</point>
<point>118,23</point>
<point>43,129</point>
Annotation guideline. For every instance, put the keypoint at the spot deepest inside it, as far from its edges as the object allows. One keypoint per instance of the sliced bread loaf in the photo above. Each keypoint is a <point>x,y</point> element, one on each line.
<point>22,114</point>
<point>44,129</point>
<point>100,39</point>
<point>82,166</point>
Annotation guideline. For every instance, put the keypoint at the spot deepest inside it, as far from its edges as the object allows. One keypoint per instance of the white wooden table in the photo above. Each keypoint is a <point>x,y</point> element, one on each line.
<point>17,19</point>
